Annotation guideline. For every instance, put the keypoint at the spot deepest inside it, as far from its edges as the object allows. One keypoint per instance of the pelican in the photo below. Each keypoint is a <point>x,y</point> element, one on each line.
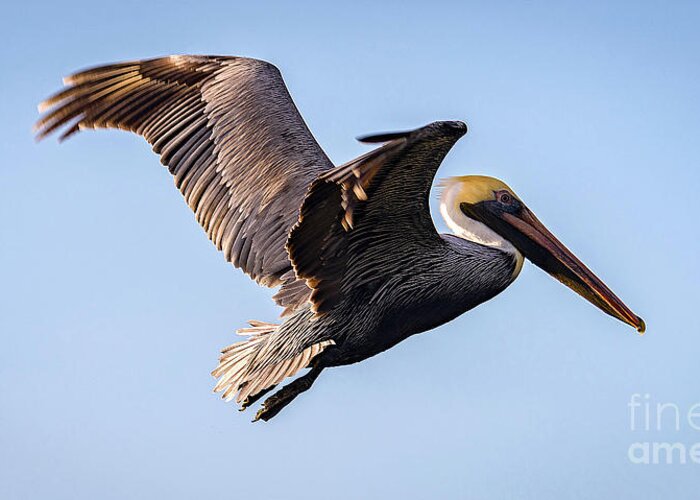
<point>353,249</point>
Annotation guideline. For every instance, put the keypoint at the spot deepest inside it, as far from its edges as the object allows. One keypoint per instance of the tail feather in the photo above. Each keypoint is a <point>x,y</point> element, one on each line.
<point>243,373</point>
<point>256,328</point>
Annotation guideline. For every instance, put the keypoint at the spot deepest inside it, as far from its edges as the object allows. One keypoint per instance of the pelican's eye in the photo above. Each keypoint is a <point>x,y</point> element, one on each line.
<point>504,197</point>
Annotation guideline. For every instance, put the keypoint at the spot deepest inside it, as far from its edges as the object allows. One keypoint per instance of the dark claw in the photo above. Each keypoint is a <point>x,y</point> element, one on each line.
<point>250,400</point>
<point>272,406</point>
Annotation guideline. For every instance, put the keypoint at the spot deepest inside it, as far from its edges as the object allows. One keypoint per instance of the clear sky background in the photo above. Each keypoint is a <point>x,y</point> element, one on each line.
<point>114,305</point>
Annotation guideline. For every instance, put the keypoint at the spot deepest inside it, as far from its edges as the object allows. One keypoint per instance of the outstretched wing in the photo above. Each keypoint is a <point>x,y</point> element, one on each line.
<point>228,131</point>
<point>361,220</point>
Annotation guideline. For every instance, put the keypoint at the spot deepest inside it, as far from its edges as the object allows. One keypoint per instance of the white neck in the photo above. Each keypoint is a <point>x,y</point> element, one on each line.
<point>473,230</point>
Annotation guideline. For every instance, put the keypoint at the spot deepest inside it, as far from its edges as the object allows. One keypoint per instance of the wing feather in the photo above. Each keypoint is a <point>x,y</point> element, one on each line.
<point>361,221</point>
<point>227,130</point>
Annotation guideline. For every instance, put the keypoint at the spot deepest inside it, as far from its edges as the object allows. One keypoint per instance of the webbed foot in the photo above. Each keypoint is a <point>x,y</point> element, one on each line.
<point>275,403</point>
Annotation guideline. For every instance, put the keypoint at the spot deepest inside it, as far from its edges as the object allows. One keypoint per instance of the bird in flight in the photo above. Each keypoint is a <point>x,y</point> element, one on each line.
<point>353,249</point>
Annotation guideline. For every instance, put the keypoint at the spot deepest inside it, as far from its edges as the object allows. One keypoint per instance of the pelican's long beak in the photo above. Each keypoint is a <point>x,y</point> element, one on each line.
<point>518,224</point>
<point>540,246</point>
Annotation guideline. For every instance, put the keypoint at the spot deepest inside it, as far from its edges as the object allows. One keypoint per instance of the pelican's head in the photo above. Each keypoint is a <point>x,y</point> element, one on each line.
<point>486,211</point>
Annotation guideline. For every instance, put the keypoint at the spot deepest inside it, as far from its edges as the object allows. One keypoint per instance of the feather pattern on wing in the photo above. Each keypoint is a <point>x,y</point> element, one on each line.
<point>362,219</point>
<point>230,134</point>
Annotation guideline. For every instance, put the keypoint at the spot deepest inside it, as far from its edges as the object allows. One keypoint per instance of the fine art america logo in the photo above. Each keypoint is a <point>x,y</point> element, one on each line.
<point>654,418</point>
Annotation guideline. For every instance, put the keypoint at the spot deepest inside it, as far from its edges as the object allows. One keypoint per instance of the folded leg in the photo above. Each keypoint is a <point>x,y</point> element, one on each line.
<point>275,403</point>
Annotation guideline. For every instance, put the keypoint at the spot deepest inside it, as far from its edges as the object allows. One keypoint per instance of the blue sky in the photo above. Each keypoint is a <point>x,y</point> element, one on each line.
<point>114,304</point>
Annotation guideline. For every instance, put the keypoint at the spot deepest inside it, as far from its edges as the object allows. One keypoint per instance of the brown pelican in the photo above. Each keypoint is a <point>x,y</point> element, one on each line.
<point>353,248</point>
